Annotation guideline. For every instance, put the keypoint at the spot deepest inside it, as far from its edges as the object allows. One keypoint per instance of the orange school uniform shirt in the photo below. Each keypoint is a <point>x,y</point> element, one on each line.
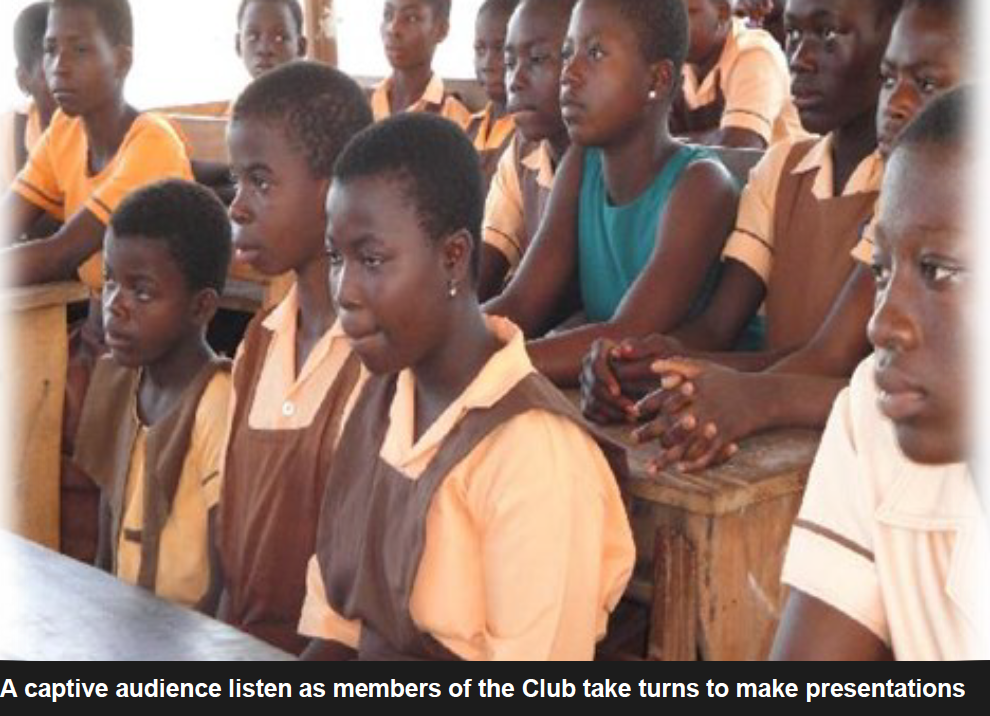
<point>898,547</point>
<point>435,100</point>
<point>753,77</point>
<point>11,142</point>
<point>528,547</point>
<point>57,179</point>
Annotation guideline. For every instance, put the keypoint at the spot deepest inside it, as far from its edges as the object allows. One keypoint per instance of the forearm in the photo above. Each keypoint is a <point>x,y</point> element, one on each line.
<point>559,356</point>
<point>793,401</point>
<point>32,263</point>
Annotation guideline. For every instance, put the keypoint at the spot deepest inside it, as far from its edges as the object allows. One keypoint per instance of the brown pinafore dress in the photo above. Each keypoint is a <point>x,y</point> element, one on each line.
<point>269,506</point>
<point>483,124</point>
<point>705,118</point>
<point>812,245</point>
<point>373,523</point>
<point>107,431</point>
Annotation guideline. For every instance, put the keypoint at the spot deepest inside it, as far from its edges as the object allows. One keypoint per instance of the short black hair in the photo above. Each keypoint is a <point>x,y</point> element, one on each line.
<point>661,27</point>
<point>29,34</point>
<point>189,219</point>
<point>943,123</point>
<point>441,8</point>
<point>294,7</point>
<point>887,9</point>
<point>113,16</point>
<point>503,7</point>
<point>319,109</point>
<point>435,163</point>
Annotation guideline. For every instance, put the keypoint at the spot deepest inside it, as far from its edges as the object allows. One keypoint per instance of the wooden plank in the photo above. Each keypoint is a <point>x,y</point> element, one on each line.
<point>207,136</point>
<point>49,294</point>
<point>673,629</point>
<point>321,32</point>
<point>65,610</point>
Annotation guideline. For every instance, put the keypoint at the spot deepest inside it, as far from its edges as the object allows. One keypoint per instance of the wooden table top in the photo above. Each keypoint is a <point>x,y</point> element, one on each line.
<point>24,298</point>
<point>55,608</point>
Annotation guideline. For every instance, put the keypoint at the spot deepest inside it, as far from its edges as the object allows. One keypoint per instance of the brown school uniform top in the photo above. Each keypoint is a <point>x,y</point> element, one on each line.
<point>749,88</point>
<point>900,548</point>
<point>523,544</point>
<point>491,137</point>
<point>797,236</point>
<point>283,432</point>
<point>517,198</point>
<point>435,100</point>
<point>159,482</point>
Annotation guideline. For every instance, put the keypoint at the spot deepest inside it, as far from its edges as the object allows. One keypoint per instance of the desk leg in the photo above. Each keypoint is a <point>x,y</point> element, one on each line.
<point>36,369</point>
<point>673,628</point>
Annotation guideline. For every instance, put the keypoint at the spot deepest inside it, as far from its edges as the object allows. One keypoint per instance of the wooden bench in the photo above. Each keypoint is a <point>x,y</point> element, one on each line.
<point>61,609</point>
<point>710,545</point>
<point>33,380</point>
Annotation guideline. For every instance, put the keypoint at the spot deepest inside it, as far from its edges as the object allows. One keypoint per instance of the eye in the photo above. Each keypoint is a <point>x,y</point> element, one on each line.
<point>928,85</point>
<point>252,36</point>
<point>335,257</point>
<point>887,79</point>
<point>596,53</point>
<point>567,52</point>
<point>372,261</point>
<point>881,273</point>
<point>510,61</point>
<point>792,37</point>
<point>829,36</point>
<point>939,275</point>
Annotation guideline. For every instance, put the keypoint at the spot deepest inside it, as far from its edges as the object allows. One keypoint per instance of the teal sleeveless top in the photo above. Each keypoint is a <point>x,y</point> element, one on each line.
<point>616,242</point>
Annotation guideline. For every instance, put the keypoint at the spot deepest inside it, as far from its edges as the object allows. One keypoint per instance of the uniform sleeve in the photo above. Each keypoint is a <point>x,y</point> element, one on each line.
<point>751,242</point>
<point>830,556</point>
<point>504,220</point>
<point>38,181</point>
<point>863,251</point>
<point>456,112</point>
<point>211,433</point>
<point>318,620</point>
<point>556,550</point>
<point>155,152</point>
<point>756,90</point>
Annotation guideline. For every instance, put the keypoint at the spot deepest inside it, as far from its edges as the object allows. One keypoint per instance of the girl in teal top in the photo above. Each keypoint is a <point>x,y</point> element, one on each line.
<point>636,220</point>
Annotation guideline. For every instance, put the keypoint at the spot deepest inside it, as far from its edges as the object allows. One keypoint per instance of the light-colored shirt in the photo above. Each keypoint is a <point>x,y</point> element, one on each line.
<point>435,100</point>
<point>900,548</point>
<point>528,547</point>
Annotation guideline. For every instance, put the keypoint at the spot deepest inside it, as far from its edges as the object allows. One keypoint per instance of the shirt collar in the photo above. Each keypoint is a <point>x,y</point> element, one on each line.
<point>867,176</point>
<point>432,95</point>
<point>539,160</point>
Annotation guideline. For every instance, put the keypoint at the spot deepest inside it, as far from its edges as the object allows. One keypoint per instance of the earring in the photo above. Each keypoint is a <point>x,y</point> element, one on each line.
<point>451,288</point>
<point>652,95</point>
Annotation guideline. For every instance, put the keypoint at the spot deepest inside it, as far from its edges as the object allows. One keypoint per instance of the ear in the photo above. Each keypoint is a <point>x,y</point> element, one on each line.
<point>665,80</point>
<point>724,12</point>
<point>237,44</point>
<point>443,29</point>
<point>22,79</point>
<point>124,60</point>
<point>456,254</point>
<point>303,46</point>
<point>204,306</point>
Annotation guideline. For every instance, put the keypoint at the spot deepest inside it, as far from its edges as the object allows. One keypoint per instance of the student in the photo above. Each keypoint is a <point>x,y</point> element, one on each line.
<point>269,34</point>
<point>472,515</point>
<point>804,206</point>
<point>765,14</point>
<point>294,371</point>
<point>22,128</point>
<point>492,128</point>
<point>520,188</point>
<point>623,238</point>
<point>151,433</point>
<point>411,31</point>
<point>926,56</point>
<point>888,556</point>
<point>97,150</point>
<point>737,91</point>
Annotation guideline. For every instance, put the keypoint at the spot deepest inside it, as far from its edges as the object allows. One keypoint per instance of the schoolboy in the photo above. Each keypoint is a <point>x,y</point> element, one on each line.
<point>22,128</point>
<point>521,186</point>
<point>294,371</point>
<point>492,128</point>
<point>97,150</point>
<point>152,430</point>
<point>411,31</point>
<point>737,90</point>
<point>471,516</point>
<point>888,555</point>
<point>927,54</point>
<point>269,34</point>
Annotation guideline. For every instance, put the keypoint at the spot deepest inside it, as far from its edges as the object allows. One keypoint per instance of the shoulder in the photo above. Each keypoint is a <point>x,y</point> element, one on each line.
<point>705,173</point>
<point>154,128</point>
<point>755,44</point>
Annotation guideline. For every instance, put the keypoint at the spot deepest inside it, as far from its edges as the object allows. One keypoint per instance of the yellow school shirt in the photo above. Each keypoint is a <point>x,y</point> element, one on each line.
<point>435,100</point>
<point>528,547</point>
<point>504,226</point>
<point>752,241</point>
<point>900,548</point>
<point>488,132</point>
<point>184,551</point>
<point>57,180</point>
<point>753,76</point>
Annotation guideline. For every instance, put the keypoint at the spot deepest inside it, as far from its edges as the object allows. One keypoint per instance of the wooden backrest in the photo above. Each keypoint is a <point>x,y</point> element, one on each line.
<point>739,161</point>
<point>207,136</point>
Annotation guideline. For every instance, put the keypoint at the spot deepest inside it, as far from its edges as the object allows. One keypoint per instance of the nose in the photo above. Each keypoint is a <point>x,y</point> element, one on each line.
<point>344,287</point>
<point>902,101</point>
<point>113,303</point>
<point>491,62</point>
<point>515,77</point>
<point>801,55</point>
<point>390,26</point>
<point>892,326</point>
<point>57,64</point>
<point>238,211</point>
<point>571,71</point>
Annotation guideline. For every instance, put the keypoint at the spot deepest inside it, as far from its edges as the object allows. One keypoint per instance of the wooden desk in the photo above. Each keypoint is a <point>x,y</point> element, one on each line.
<point>33,378</point>
<point>57,608</point>
<point>710,546</point>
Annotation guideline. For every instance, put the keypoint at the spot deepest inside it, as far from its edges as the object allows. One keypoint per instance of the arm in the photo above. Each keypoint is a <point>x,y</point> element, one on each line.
<point>18,216</point>
<point>494,268</point>
<point>811,630</point>
<point>737,298</point>
<point>545,285</point>
<point>688,243</point>
<point>57,257</point>
<point>736,137</point>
